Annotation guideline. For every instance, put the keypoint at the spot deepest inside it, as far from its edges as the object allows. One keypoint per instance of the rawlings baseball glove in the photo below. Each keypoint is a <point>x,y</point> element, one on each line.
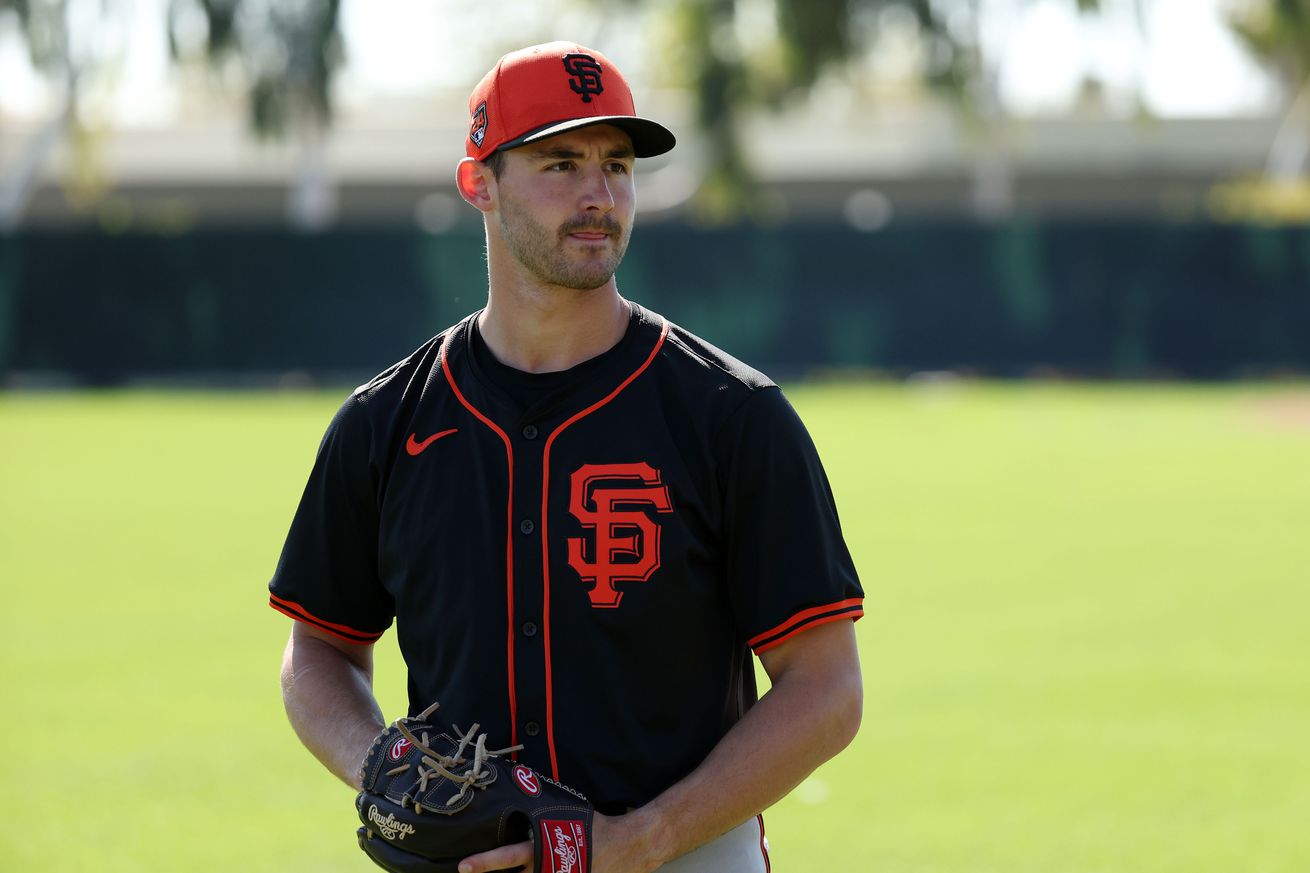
<point>433,797</point>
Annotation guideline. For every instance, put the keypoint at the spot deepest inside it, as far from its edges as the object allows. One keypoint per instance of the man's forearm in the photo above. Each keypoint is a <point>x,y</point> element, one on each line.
<point>329,701</point>
<point>805,719</point>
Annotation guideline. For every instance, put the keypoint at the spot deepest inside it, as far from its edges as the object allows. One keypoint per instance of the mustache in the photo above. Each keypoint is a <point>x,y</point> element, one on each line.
<point>589,224</point>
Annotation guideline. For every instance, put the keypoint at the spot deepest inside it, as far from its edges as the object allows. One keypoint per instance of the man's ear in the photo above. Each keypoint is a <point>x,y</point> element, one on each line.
<point>474,180</point>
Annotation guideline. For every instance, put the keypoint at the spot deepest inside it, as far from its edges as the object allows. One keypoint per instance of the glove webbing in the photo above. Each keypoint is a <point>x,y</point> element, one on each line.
<point>443,765</point>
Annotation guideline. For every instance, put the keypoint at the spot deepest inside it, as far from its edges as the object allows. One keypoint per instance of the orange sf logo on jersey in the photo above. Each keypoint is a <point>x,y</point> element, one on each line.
<point>627,540</point>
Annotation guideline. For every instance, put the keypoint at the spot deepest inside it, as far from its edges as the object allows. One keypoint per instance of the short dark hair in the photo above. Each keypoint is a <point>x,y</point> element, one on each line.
<point>496,163</point>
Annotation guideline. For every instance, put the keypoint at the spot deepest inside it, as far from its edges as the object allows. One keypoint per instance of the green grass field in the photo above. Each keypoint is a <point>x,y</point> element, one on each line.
<point>1086,650</point>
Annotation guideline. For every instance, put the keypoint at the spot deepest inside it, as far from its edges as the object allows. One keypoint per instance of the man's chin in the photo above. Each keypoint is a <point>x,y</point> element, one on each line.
<point>585,283</point>
<point>586,279</point>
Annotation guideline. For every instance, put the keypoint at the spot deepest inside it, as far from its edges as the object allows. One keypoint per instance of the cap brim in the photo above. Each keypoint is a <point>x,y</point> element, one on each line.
<point>649,138</point>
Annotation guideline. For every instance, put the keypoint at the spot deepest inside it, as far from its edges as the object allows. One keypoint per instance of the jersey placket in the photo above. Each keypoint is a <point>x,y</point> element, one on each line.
<point>529,603</point>
<point>527,589</point>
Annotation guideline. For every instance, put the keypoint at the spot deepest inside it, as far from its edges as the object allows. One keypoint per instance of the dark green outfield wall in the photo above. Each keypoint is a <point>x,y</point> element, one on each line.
<point>1088,299</point>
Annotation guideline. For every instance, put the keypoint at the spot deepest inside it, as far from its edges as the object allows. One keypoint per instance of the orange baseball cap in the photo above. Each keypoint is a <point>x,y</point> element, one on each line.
<point>548,89</point>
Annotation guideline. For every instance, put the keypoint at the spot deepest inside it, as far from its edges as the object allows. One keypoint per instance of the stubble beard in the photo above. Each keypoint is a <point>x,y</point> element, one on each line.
<point>546,254</point>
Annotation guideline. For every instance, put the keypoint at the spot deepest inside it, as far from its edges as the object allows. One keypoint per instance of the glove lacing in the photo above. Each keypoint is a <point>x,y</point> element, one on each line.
<point>432,764</point>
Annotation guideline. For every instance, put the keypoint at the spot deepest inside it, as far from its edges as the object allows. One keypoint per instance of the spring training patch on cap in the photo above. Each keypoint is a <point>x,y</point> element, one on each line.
<point>478,130</point>
<point>584,75</point>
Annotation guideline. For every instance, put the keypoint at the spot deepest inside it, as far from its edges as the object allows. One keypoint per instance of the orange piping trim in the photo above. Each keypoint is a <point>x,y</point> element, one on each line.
<point>294,610</point>
<point>802,616</point>
<point>826,619</point>
<point>509,542</point>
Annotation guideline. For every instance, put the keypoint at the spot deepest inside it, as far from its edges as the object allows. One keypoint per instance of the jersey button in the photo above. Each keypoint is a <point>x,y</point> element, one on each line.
<point>530,432</point>
<point>532,729</point>
<point>529,628</point>
<point>527,526</point>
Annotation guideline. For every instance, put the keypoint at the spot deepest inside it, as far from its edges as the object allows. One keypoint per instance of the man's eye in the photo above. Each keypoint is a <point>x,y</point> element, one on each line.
<point>616,167</point>
<point>562,165</point>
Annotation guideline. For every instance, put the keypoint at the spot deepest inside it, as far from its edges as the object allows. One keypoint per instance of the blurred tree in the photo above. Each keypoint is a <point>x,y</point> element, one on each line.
<point>819,37</point>
<point>728,78</point>
<point>68,42</point>
<point>286,54</point>
<point>1277,33</point>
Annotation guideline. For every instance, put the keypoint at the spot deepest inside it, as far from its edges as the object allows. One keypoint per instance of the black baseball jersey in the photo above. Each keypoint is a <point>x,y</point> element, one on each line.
<point>581,561</point>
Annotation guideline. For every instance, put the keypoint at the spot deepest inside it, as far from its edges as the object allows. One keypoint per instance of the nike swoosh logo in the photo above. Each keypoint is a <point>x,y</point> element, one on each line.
<point>413,446</point>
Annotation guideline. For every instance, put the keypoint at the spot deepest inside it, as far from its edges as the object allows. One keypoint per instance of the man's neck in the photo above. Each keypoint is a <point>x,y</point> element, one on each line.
<point>545,330</point>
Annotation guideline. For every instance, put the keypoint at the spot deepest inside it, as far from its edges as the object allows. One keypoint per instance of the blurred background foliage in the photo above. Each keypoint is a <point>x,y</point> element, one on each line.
<point>286,55</point>
<point>869,154</point>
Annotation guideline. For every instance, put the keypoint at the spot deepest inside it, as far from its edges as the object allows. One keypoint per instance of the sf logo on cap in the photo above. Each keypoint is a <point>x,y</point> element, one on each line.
<point>584,75</point>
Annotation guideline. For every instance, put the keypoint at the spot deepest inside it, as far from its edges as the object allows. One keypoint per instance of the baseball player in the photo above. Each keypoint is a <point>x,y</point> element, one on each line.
<point>582,519</point>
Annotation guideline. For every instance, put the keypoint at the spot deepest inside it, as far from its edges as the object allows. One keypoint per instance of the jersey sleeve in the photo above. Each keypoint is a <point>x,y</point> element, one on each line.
<point>327,575</point>
<point>788,566</point>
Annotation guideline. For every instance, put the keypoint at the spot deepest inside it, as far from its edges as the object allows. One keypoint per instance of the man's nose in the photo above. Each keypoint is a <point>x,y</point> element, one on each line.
<point>596,192</point>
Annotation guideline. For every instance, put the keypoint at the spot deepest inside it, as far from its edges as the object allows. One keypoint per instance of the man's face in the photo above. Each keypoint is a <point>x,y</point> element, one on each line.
<point>565,205</point>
